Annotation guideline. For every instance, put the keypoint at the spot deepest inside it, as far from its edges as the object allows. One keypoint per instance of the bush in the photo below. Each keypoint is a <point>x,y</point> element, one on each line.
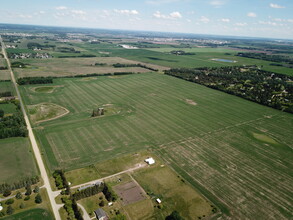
<point>28,190</point>
<point>18,195</point>
<point>9,201</point>
<point>21,206</point>
<point>174,216</point>
<point>27,198</point>
<point>37,189</point>
<point>38,199</point>
<point>9,210</point>
<point>7,192</point>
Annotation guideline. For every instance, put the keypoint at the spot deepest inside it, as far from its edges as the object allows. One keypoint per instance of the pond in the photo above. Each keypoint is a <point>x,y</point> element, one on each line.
<point>224,60</point>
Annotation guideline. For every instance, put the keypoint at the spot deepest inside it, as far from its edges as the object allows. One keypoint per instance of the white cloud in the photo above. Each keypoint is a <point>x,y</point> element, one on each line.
<point>173,15</point>
<point>204,19</point>
<point>251,14</point>
<point>161,2</point>
<point>78,12</point>
<point>241,24</point>
<point>217,3</point>
<point>227,20</point>
<point>61,8</point>
<point>126,12</point>
<point>276,6</point>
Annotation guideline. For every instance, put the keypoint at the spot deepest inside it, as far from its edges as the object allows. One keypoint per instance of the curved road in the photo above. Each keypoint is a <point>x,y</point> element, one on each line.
<point>35,147</point>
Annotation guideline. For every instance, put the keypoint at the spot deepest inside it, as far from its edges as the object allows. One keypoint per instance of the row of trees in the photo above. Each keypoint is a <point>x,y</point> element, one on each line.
<point>121,65</point>
<point>6,94</point>
<point>267,88</point>
<point>34,80</point>
<point>61,181</point>
<point>6,188</point>
<point>268,57</point>
<point>90,191</point>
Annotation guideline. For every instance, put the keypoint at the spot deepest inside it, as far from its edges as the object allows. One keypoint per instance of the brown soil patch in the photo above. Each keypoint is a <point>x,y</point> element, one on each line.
<point>190,102</point>
<point>130,192</point>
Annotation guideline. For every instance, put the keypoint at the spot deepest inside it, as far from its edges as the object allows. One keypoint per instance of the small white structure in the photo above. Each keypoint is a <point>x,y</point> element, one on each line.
<point>150,161</point>
<point>158,201</point>
<point>110,203</point>
<point>1,208</point>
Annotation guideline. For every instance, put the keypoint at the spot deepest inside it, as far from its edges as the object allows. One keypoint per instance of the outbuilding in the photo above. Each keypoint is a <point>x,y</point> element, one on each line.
<point>101,214</point>
<point>150,160</point>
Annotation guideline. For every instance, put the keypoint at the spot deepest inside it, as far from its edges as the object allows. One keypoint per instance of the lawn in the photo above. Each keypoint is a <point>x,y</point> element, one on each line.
<point>211,144</point>
<point>6,87</point>
<point>175,194</point>
<point>8,109</point>
<point>33,214</point>
<point>17,161</point>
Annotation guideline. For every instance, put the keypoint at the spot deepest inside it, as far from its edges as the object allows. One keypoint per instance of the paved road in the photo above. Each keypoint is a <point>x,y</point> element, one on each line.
<point>35,147</point>
<point>107,177</point>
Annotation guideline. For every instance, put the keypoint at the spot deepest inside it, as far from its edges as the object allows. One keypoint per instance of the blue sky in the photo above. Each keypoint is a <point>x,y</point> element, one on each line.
<point>254,18</point>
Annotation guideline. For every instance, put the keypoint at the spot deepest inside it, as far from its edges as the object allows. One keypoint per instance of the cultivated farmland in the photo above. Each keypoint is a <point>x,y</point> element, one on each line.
<point>59,67</point>
<point>222,144</point>
<point>17,161</point>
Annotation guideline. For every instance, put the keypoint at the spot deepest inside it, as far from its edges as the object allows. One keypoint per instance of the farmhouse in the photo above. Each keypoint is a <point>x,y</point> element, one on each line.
<point>101,214</point>
<point>150,161</point>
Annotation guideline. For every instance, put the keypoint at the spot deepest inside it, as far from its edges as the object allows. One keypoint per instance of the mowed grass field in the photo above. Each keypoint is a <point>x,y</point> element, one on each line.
<point>220,143</point>
<point>60,67</point>
<point>17,161</point>
<point>202,58</point>
<point>33,214</point>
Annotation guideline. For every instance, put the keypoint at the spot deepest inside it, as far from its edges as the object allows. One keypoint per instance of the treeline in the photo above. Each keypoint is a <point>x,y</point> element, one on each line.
<point>20,184</point>
<point>18,64</point>
<point>14,125</point>
<point>267,88</point>
<point>82,55</point>
<point>181,52</point>
<point>120,65</point>
<point>6,94</point>
<point>34,80</point>
<point>3,67</point>
<point>267,57</point>
<point>90,191</point>
<point>32,45</point>
<point>71,208</point>
<point>60,181</point>
<point>110,195</point>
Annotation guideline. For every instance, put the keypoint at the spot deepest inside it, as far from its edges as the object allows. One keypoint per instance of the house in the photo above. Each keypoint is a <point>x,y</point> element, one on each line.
<point>150,161</point>
<point>101,214</point>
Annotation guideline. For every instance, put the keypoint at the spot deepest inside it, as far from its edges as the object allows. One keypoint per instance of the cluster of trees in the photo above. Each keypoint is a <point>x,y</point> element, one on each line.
<point>109,193</point>
<point>71,208</point>
<point>181,52</point>
<point>267,88</point>
<point>90,191</point>
<point>32,45</point>
<point>174,216</point>
<point>61,181</point>
<point>34,80</point>
<point>67,50</point>
<point>268,57</point>
<point>82,55</point>
<point>3,67</point>
<point>120,65</point>
<point>100,64</point>
<point>7,188</point>
<point>6,94</point>
<point>18,64</point>
<point>13,126</point>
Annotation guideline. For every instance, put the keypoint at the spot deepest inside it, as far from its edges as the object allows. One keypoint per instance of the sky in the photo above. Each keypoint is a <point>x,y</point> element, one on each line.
<point>252,18</point>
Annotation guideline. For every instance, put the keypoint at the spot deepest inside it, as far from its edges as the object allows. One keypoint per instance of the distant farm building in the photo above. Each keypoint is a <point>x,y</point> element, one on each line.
<point>88,186</point>
<point>158,201</point>
<point>98,112</point>
<point>101,214</point>
<point>150,161</point>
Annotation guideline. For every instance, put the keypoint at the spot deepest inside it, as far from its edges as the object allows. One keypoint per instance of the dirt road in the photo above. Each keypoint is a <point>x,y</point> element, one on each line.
<point>32,138</point>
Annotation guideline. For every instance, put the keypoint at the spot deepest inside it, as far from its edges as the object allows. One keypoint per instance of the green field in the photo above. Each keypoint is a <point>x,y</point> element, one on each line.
<point>202,58</point>
<point>17,160</point>
<point>211,143</point>
<point>33,214</point>
<point>9,108</point>
<point>7,87</point>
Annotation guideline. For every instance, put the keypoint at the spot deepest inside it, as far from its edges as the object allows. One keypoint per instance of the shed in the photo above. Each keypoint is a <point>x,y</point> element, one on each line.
<point>150,160</point>
<point>101,214</point>
<point>158,201</point>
